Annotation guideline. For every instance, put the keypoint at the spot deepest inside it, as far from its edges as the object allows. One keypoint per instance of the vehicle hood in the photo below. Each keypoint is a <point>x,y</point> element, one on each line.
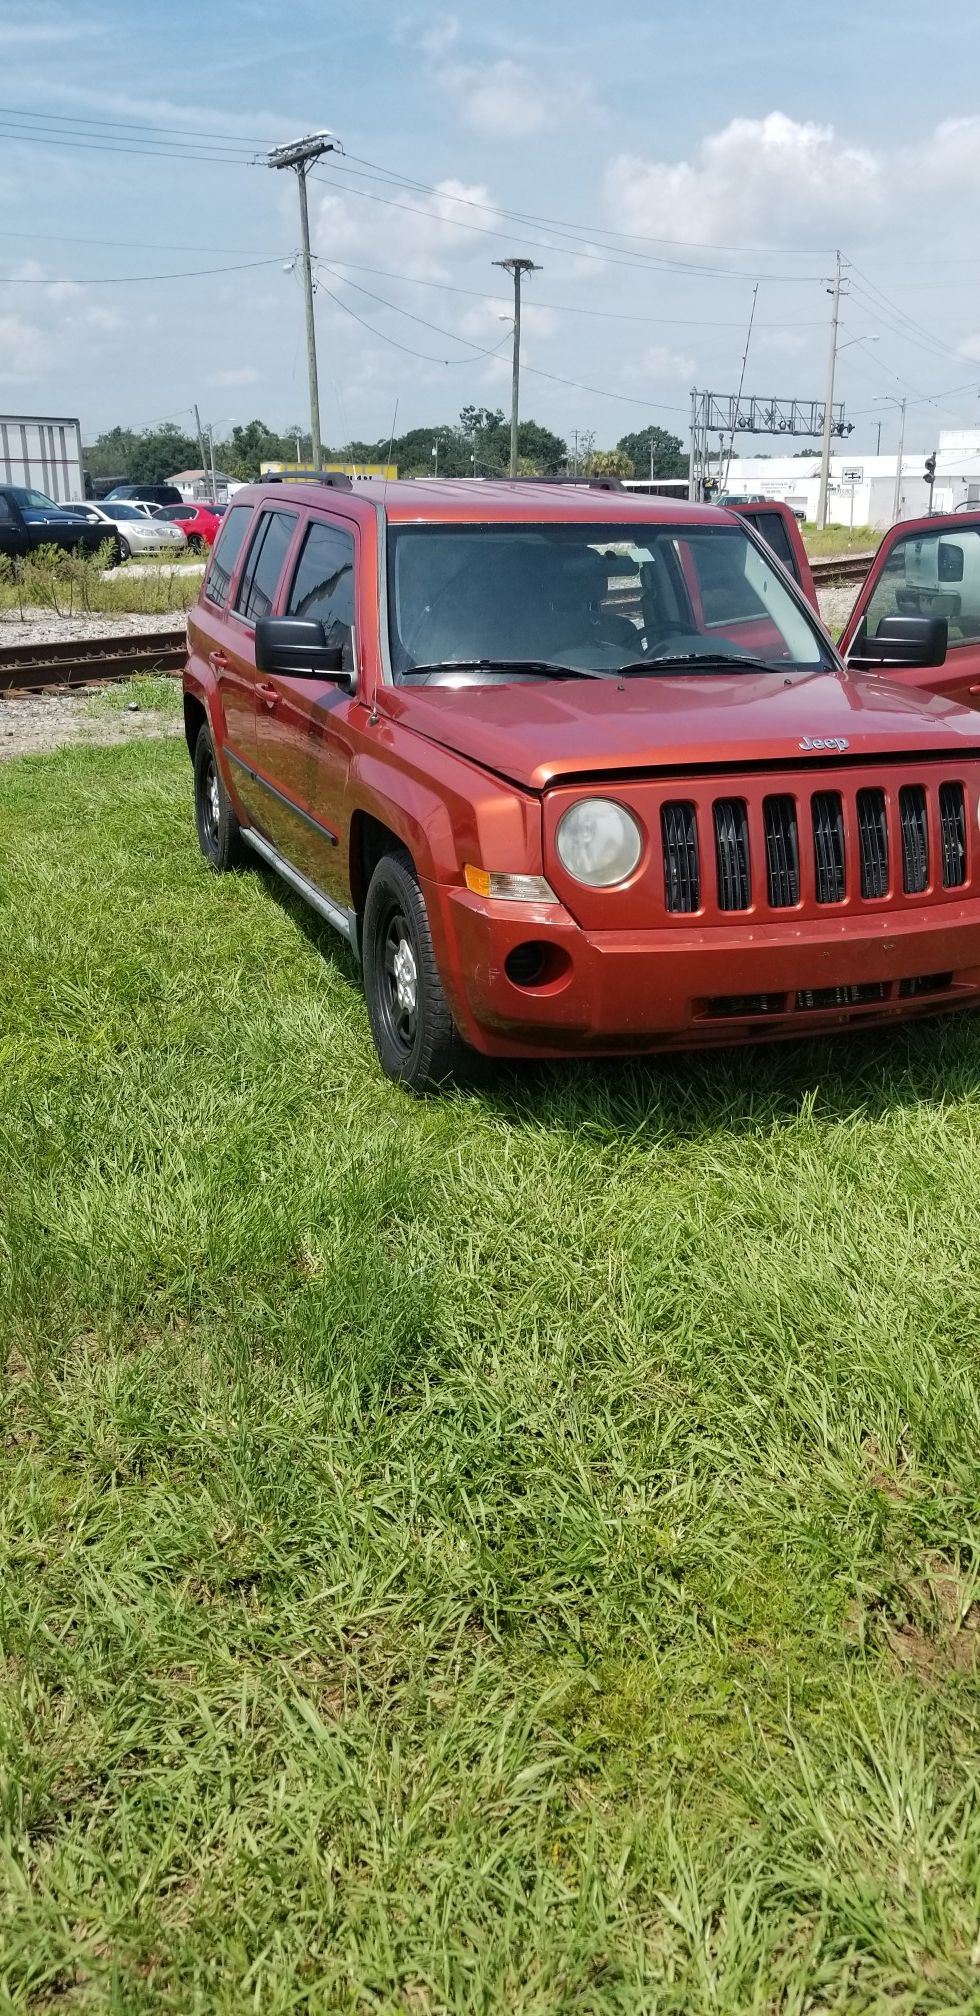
<point>540,732</point>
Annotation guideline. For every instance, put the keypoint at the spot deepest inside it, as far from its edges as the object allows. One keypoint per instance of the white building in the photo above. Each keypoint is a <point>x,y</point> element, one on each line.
<point>195,485</point>
<point>861,490</point>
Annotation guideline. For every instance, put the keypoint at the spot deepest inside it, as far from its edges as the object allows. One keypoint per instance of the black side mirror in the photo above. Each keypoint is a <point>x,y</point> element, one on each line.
<point>293,644</point>
<point>902,640</point>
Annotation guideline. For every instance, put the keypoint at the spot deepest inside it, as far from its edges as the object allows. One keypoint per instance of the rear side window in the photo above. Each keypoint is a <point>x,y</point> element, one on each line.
<point>225,556</point>
<point>263,567</point>
<point>772,528</point>
<point>323,585</point>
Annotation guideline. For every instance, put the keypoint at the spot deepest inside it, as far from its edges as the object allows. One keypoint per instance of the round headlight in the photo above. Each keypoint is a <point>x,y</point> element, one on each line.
<point>599,842</point>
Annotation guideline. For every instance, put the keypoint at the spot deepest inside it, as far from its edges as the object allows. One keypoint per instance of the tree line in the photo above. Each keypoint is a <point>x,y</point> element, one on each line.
<point>477,444</point>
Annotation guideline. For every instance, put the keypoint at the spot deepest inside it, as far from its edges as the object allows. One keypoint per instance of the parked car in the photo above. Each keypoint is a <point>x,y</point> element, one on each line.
<point>741,497</point>
<point>199,523</point>
<point>137,533</point>
<point>29,520</point>
<point>143,493</point>
<point>578,773</point>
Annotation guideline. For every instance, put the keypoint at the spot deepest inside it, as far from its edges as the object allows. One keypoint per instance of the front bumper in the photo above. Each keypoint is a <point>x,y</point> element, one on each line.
<point>616,991</point>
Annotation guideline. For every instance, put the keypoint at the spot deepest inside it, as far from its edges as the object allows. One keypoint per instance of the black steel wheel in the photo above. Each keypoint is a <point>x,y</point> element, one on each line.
<point>415,1036</point>
<point>218,830</point>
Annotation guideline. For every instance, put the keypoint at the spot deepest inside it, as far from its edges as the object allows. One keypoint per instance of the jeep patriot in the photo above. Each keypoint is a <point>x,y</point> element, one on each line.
<point>577,772</point>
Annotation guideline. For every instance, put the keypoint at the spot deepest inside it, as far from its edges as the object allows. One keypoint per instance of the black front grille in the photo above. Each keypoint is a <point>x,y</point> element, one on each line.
<point>782,852</point>
<point>873,843</point>
<point>952,828</point>
<point>925,983</point>
<point>915,838</point>
<point>842,997</point>
<point>828,846</point>
<point>732,854</point>
<point>682,867</point>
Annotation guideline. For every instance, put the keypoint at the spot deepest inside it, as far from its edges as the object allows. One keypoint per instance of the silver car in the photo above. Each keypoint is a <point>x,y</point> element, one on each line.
<point>137,533</point>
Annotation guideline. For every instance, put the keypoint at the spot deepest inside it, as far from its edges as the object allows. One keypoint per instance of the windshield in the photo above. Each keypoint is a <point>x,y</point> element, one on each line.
<point>591,597</point>
<point>33,500</point>
<point>115,510</point>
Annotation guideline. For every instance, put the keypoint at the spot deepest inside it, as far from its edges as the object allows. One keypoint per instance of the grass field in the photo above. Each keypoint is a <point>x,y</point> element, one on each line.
<point>832,540</point>
<point>510,1553</point>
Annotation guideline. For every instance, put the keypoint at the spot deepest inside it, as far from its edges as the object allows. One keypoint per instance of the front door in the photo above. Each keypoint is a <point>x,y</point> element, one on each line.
<point>928,567</point>
<point>306,725</point>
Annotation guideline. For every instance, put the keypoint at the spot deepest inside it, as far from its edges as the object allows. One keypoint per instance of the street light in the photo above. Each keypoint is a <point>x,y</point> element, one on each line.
<point>890,399</point>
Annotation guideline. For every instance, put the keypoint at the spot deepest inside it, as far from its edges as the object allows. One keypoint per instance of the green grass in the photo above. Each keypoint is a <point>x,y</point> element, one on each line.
<point>153,692</point>
<point>827,543</point>
<point>507,1553</point>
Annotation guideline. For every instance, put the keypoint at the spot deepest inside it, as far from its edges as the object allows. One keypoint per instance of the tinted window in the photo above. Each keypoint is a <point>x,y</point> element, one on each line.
<point>5,512</point>
<point>257,588</point>
<point>225,555</point>
<point>931,574</point>
<point>772,528</point>
<point>323,586</point>
<point>34,500</point>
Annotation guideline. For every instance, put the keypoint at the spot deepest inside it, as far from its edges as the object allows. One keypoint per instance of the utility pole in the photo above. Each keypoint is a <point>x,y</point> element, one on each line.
<point>200,447</point>
<point>214,481</point>
<point>300,154</point>
<point>517,267</point>
<point>878,444</point>
<point>828,414</point>
<point>897,505</point>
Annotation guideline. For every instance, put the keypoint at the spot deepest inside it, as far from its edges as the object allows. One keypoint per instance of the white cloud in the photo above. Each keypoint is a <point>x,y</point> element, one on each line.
<point>24,350</point>
<point>970,349</point>
<point>659,362</point>
<point>410,236</point>
<point>757,181</point>
<point>241,374</point>
<point>501,96</point>
<point>35,34</point>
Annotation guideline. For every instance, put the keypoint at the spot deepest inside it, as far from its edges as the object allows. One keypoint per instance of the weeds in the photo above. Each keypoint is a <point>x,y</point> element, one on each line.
<point>76,583</point>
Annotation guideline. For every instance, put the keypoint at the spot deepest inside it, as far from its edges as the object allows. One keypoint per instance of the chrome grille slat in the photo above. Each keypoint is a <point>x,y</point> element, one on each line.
<point>782,852</point>
<point>732,853</point>
<point>682,865</point>
<point>872,820</point>
<point>827,814</point>
<point>914,821</point>
<point>952,830</point>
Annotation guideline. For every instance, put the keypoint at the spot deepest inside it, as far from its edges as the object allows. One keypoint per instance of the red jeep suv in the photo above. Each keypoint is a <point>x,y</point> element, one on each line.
<point>577,772</point>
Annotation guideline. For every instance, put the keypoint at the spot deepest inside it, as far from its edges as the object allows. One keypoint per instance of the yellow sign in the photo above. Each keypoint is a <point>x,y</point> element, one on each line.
<point>357,471</point>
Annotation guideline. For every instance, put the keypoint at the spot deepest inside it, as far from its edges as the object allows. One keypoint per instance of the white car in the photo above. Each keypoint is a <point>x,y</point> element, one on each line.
<point>137,533</point>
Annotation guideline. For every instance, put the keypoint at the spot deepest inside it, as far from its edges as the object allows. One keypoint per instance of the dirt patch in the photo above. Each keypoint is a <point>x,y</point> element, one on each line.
<point>934,1628</point>
<point>33,723</point>
<point>44,626</point>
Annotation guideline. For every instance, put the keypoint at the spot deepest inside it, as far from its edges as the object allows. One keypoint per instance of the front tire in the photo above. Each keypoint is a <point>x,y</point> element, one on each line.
<point>416,1039</point>
<point>125,550</point>
<point>218,831</point>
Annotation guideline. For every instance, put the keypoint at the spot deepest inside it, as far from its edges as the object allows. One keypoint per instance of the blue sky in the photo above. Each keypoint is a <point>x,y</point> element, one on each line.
<point>741,138</point>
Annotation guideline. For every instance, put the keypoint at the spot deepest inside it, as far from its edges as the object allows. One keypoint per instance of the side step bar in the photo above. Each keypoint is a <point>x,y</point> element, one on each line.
<point>344,921</point>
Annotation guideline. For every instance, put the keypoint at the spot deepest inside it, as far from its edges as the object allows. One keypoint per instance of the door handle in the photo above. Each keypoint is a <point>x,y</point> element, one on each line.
<point>217,661</point>
<point>267,694</point>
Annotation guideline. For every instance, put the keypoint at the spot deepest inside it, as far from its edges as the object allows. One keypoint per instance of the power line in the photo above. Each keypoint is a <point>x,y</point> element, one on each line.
<point>393,340</point>
<point>571,307</point>
<point>134,279</point>
<point>93,146</point>
<point>589,231</point>
<point>122,125</point>
<point>636,263</point>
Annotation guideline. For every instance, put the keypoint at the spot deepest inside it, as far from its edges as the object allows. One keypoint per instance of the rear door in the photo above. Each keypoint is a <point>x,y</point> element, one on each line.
<point>305,725</point>
<point>929,566</point>
<point>780,528</point>
<point>219,645</point>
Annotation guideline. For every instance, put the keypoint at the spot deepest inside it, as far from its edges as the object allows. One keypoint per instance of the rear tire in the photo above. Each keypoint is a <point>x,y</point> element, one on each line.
<point>218,831</point>
<point>417,1041</point>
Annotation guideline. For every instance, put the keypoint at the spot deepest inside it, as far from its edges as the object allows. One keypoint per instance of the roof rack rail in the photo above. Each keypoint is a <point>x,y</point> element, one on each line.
<point>333,479</point>
<point>583,482</point>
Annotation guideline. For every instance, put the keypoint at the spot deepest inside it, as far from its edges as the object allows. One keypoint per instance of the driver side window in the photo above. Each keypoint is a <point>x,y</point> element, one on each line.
<point>931,574</point>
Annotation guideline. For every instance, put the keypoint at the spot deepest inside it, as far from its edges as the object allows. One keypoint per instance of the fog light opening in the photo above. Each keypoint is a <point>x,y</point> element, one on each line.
<point>535,966</point>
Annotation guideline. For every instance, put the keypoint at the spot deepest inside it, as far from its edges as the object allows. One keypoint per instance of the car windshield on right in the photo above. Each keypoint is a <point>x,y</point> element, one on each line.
<point>592,599</point>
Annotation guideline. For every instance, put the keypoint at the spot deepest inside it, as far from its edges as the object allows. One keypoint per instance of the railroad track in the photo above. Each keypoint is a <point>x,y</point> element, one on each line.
<point>840,567</point>
<point>35,668</point>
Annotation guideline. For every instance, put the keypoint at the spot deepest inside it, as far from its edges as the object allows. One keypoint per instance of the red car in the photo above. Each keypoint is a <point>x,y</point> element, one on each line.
<point>577,772</point>
<point>200,522</point>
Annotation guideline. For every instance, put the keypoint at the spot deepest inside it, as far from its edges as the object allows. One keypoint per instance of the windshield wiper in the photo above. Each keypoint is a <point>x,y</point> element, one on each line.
<point>544,666</point>
<point>672,659</point>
